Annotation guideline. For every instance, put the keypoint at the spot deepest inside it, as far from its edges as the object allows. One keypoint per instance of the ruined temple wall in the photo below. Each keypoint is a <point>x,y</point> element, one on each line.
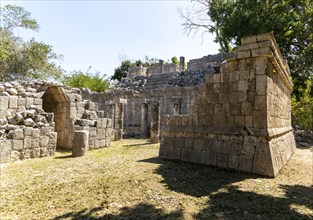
<point>207,61</point>
<point>26,131</point>
<point>133,115</point>
<point>177,100</point>
<point>100,99</point>
<point>137,71</point>
<point>233,124</point>
<point>38,117</point>
<point>170,68</point>
<point>159,68</point>
<point>182,97</point>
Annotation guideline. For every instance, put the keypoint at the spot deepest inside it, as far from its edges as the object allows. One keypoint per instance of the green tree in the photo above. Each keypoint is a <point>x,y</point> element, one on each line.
<point>290,20</point>
<point>93,81</point>
<point>175,60</point>
<point>302,110</point>
<point>121,71</point>
<point>24,59</point>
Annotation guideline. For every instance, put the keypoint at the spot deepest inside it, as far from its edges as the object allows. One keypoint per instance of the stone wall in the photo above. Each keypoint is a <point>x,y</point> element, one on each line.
<point>241,116</point>
<point>137,71</point>
<point>207,62</point>
<point>172,89</point>
<point>37,117</point>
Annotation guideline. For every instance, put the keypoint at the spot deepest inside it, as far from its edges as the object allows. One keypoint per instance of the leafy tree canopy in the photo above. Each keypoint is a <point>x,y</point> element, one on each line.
<point>94,81</point>
<point>19,59</point>
<point>290,20</point>
<point>175,60</point>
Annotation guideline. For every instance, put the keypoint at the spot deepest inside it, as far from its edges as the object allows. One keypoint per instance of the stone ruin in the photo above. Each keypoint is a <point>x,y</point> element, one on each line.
<point>36,117</point>
<point>226,110</point>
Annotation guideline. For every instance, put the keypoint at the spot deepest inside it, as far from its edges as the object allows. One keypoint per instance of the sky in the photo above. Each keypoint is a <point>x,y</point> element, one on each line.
<point>100,34</point>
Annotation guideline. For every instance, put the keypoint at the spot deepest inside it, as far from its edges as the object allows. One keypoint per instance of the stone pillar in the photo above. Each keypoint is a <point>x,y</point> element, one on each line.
<point>162,65</point>
<point>110,110</point>
<point>80,143</point>
<point>144,119</point>
<point>155,122</point>
<point>118,121</point>
<point>181,63</point>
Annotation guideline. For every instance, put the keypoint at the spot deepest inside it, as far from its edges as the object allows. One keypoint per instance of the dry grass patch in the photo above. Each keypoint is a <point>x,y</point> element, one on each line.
<point>128,181</point>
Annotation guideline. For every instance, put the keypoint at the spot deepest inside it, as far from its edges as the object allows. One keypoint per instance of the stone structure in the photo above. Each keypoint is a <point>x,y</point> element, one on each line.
<point>155,122</point>
<point>225,110</point>
<point>167,84</point>
<point>241,117</point>
<point>80,143</point>
<point>36,117</point>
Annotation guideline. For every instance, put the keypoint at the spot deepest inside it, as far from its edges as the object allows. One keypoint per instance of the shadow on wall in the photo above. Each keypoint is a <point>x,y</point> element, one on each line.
<point>225,201</point>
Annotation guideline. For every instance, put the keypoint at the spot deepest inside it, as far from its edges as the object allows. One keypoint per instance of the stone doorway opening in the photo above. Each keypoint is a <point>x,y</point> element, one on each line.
<point>54,100</point>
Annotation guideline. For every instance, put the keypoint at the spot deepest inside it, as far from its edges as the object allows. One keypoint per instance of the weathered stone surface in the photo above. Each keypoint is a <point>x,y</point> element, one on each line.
<point>244,109</point>
<point>17,145</point>
<point>27,111</point>
<point>18,134</point>
<point>80,143</point>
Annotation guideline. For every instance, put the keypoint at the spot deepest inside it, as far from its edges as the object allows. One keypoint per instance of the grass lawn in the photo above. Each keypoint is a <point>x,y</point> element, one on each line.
<point>128,181</point>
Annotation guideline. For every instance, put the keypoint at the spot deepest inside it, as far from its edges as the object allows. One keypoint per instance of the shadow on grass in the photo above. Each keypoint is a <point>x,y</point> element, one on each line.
<point>136,145</point>
<point>140,211</point>
<point>226,201</point>
<point>64,157</point>
<point>64,151</point>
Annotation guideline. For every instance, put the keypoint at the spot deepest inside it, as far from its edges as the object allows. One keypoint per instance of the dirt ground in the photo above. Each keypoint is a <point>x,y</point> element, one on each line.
<point>129,181</point>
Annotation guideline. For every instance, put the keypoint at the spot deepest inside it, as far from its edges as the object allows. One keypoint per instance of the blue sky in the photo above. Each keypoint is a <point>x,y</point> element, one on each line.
<point>101,33</point>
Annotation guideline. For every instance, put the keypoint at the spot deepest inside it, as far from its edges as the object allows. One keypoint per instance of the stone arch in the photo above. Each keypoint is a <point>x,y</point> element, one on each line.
<point>56,101</point>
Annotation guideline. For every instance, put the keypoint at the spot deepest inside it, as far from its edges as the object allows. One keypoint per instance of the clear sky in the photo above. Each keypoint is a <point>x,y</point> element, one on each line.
<point>101,33</point>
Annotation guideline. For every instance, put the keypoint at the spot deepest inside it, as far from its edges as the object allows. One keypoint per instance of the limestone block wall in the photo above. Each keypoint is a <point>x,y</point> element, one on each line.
<point>177,100</point>
<point>100,131</point>
<point>207,61</point>
<point>180,98</point>
<point>160,67</point>
<point>137,70</point>
<point>170,68</point>
<point>37,117</point>
<point>79,114</point>
<point>241,116</point>
<point>26,130</point>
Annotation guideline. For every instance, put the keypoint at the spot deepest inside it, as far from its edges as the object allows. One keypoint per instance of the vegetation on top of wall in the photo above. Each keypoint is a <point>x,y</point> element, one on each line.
<point>93,81</point>
<point>121,71</point>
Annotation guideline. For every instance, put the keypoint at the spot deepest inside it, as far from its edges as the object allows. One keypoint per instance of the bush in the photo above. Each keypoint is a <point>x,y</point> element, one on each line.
<point>302,109</point>
<point>92,81</point>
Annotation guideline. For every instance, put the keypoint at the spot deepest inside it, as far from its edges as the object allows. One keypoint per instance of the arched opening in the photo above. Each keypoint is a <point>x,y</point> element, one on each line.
<point>54,100</point>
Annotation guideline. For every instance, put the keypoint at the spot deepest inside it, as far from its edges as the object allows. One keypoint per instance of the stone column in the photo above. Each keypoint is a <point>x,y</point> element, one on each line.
<point>144,119</point>
<point>181,63</point>
<point>110,110</point>
<point>118,121</point>
<point>80,143</point>
<point>162,65</point>
<point>155,122</point>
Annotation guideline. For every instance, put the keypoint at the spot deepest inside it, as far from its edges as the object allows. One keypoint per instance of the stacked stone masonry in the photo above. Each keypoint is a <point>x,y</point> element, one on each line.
<point>225,110</point>
<point>241,117</point>
<point>37,117</point>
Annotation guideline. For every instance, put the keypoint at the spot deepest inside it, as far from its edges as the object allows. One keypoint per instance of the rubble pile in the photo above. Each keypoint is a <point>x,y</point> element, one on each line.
<point>133,84</point>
